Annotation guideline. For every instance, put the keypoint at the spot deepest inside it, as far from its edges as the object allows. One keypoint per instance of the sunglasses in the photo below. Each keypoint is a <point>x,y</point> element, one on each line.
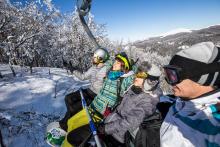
<point>172,74</point>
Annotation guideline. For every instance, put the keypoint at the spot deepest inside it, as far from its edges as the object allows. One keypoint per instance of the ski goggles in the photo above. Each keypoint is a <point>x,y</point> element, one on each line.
<point>145,75</point>
<point>172,74</point>
<point>142,75</point>
<point>99,60</point>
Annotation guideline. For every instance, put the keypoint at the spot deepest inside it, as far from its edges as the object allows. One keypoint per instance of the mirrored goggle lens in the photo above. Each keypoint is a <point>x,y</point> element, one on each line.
<point>171,76</point>
<point>142,75</point>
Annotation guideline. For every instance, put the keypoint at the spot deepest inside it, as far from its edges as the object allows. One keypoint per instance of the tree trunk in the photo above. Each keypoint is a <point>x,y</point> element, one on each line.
<point>1,75</point>
<point>31,69</point>
<point>31,66</point>
<point>12,69</point>
<point>1,140</point>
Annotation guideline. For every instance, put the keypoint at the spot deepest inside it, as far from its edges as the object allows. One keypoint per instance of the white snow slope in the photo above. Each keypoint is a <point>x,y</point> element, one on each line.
<point>29,102</point>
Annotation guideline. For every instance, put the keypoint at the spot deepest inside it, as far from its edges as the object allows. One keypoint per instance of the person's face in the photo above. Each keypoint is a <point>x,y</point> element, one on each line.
<point>95,59</point>
<point>117,65</point>
<point>138,82</point>
<point>185,89</point>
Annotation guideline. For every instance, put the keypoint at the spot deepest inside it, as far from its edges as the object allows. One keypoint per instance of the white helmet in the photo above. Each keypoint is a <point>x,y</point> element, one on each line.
<point>152,82</point>
<point>154,71</point>
<point>150,69</point>
<point>55,135</point>
<point>102,54</point>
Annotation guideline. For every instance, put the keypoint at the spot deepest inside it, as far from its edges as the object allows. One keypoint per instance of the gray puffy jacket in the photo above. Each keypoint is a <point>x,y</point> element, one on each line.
<point>95,75</point>
<point>131,112</point>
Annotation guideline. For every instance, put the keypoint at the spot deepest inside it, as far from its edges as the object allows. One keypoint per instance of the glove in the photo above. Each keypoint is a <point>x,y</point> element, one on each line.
<point>107,112</point>
<point>101,128</point>
<point>72,68</point>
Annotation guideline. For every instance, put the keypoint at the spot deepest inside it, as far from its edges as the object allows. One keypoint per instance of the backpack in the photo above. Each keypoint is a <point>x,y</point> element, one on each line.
<point>148,133</point>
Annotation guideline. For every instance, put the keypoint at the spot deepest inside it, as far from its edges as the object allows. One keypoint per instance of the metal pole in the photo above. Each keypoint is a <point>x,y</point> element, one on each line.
<point>88,31</point>
<point>83,8</point>
<point>91,123</point>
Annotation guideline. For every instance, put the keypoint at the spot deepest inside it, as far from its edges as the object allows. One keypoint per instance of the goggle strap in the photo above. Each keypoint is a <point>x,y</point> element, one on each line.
<point>202,70</point>
<point>195,69</point>
<point>153,78</point>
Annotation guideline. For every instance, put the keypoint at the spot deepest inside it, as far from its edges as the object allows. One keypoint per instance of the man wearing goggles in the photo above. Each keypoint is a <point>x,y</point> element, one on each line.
<point>194,120</point>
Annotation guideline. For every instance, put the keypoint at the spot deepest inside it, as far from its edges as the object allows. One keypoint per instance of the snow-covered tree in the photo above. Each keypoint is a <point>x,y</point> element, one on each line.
<point>34,33</point>
<point>25,25</point>
<point>75,43</point>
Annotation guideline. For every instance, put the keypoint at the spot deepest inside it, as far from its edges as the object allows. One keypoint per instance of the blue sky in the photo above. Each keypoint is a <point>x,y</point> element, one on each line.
<point>138,19</point>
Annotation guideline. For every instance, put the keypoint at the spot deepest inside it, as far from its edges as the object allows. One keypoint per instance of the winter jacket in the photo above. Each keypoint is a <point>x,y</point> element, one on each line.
<point>95,75</point>
<point>193,123</point>
<point>131,112</point>
<point>110,93</point>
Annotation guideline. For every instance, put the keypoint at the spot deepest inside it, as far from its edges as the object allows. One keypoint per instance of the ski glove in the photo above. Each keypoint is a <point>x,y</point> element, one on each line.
<point>101,128</point>
<point>107,112</point>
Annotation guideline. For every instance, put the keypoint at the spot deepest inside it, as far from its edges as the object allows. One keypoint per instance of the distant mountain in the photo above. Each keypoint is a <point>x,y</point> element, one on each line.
<point>176,31</point>
<point>169,43</point>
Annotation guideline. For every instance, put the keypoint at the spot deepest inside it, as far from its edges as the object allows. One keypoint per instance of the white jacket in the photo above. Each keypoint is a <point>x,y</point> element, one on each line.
<point>95,75</point>
<point>194,123</point>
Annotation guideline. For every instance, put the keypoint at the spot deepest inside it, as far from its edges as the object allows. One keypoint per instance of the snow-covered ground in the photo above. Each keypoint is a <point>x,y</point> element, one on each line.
<point>183,47</point>
<point>175,31</point>
<point>29,102</point>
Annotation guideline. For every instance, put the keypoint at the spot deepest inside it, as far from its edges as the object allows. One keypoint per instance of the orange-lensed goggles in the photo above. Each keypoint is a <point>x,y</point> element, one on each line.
<point>142,75</point>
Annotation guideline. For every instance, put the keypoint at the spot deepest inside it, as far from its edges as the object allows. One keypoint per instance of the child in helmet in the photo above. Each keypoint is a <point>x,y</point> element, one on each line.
<point>95,75</point>
<point>194,119</point>
<point>116,82</point>
<point>138,102</point>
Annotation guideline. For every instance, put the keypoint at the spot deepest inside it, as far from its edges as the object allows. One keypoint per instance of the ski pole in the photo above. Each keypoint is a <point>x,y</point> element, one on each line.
<point>91,123</point>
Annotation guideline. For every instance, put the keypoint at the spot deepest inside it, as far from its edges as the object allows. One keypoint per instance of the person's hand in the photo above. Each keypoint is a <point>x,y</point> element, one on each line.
<point>107,112</point>
<point>73,68</point>
<point>101,128</point>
